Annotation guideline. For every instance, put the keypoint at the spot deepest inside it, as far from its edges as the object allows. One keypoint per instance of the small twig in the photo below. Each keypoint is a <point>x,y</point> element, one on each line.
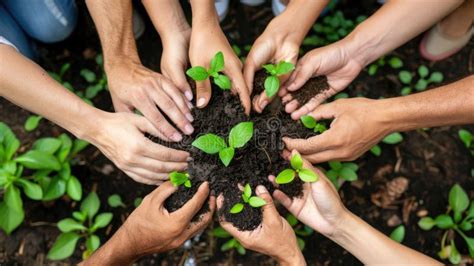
<point>399,160</point>
<point>41,223</point>
<point>266,153</point>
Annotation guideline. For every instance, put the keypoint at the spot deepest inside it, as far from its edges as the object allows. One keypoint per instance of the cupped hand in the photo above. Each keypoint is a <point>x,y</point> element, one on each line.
<point>207,40</point>
<point>122,139</point>
<point>334,61</point>
<point>274,237</point>
<point>135,87</point>
<point>358,124</point>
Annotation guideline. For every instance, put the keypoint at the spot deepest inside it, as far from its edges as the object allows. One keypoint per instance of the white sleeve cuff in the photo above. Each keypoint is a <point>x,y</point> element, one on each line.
<point>5,41</point>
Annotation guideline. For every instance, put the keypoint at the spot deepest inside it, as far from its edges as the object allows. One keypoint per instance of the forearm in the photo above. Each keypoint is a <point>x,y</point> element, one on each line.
<point>372,247</point>
<point>446,105</point>
<point>29,86</point>
<point>204,12</point>
<point>395,23</point>
<point>168,18</point>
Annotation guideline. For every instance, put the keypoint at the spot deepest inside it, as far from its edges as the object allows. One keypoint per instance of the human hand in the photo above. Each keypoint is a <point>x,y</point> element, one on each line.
<point>121,138</point>
<point>335,61</point>
<point>358,124</point>
<point>274,237</point>
<point>207,39</point>
<point>133,86</point>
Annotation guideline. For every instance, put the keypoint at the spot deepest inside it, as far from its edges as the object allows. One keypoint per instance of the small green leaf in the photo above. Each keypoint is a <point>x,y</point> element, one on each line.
<point>55,189</point>
<point>237,208</point>
<point>320,128</point>
<point>93,90</point>
<point>137,202</point>
<point>284,67</point>
<point>444,221</point>
<point>177,178</point>
<point>226,155</point>
<point>187,183</point>
<point>13,198</point>
<point>88,75</point>
<point>240,134</point>
<point>247,192</point>
<point>393,138</point>
<point>48,145</point>
<point>217,63</point>
<point>80,216</point>
<point>35,159</point>
<point>308,121</point>
<point>69,225</point>
<point>307,175</point>
<point>32,190</point>
<point>296,162</point>
<point>78,146</point>
<point>341,95</point>
<point>271,69</point>
<point>65,149</point>
<point>10,219</point>
<point>454,256</point>
<point>240,249</point>
<point>352,166</point>
<point>405,77</point>
<point>348,174</point>
<point>426,223</point>
<point>92,243</point>
<point>372,69</point>
<point>209,143</point>
<point>466,226</point>
<point>336,165</point>
<point>466,137</point>
<point>405,91</point>
<point>228,245</point>
<point>301,243</point>
<point>197,73</point>
<point>398,234</point>
<point>423,71</point>
<point>116,201</point>
<point>257,202</point>
<point>395,62</point>
<point>421,85</point>
<point>32,122</point>
<point>64,69</point>
<point>291,219</point>
<point>220,232</point>
<point>272,84</point>
<point>285,176</point>
<point>102,220</point>
<point>222,81</point>
<point>458,199</point>
<point>237,50</point>
<point>90,205</point>
<point>10,142</point>
<point>74,188</point>
<point>436,77</point>
<point>376,150</point>
<point>64,246</point>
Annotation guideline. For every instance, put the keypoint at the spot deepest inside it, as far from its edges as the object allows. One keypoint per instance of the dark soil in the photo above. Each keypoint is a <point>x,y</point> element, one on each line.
<point>313,87</point>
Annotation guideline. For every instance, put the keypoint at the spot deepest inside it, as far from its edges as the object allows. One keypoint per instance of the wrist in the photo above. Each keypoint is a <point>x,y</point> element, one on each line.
<point>86,123</point>
<point>204,13</point>
<point>296,260</point>
<point>362,46</point>
<point>116,251</point>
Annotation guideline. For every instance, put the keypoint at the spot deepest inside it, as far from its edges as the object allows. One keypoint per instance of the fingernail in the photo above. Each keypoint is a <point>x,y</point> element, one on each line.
<point>188,129</point>
<point>263,104</point>
<point>201,102</point>
<point>189,117</point>
<point>177,137</point>
<point>188,95</point>
<point>261,190</point>
<point>190,105</point>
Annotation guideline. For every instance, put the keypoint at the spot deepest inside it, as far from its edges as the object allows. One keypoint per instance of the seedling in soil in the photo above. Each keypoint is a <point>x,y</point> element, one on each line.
<point>467,139</point>
<point>199,73</point>
<point>311,123</point>
<point>178,179</point>
<point>231,243</point>
<point>272,82</point>
<point>391,139</point>
<point>458,220</point>
<point>394,62</point>
<point>341,172</point>
<point>398,234</point>
<point>83,224</point>
<point>424,80</point>
<point>253,201</point>
<point>301,230</point>
<point>211,144</point>
<point>115,201</point>
<point>32,122</point>
<point>288,175</point>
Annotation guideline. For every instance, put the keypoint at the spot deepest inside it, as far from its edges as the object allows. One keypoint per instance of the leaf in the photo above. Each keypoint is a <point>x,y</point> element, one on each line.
<point>74,188</point>
<point>307,175</point>
<point>301,243</point>
<point>65,172</point>
<point>336,165</point>
<point>13,198</point>
<point>32,122</point>
<point>217,63</point>
<point>237,208</point>
<point>10,142</point>
<point>137,202</point>
<point>376,150</point>
<point>247,192</point>
<point>69,225</point>
<point>32,190</point>
<point>271,69</point>
<point>372,69</point>
<point>237,50</point>
<point>341,95</point>
<point>436,77</point>
<point>115,201</point>
<point>102,220</point>
<point>93,90</point>
<point>228,245</point>
<point>222,81</point>
<point>64,69</point>
<point>187,183</point>
<point>176,178</point>
<point>348,174</point>
<point>466,137</point>
<point>65,147</point>
<point>35,159</point>
<point>296,162</point>
<point>257,202</point>
<point>395,62</point>
<point>10,219</point>
<point>352,166</point>
<point>469,241</point>
<point>393,138</point>
<point>47,145</point>
<point>197,73</point>
<point>285,176</point>
<point>226,155</point>
<point>423,71</point>
<point>209,143</point>
<point>458,199</point>
<point>220,232</point>
<point>444,221</point>
<point>55,189</point>
<point>405,77</point>
<point>291,219</point>
<point>90,205</point>
<point>272,84</point>
<point>308,121</point>
<point>78,146</point>
<point>80,216</point>
<point>284,67</point>
<point>240,249</point>
<point>64,246</point>
<point>398,234</point>
<point>454,256</point>
<point>466,226</point>
<point>405,91</point>
<point>240,134</point>
<point>92,243</point>
<point>88,75</point>
<point>421,85</point>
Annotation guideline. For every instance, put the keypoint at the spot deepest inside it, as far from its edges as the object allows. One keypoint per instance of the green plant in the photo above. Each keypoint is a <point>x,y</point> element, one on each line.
<point>253,201</point>
<point>288,175</point>
<point>199,73</point>
<point>342,172</point>
<point>272,82</point>
<point>32,122</point>
<point>467,138</point>
<point>398,234</point>
<point>301,230</point>
<point>311,123</point>
<point>392,139</point>
<point>211,144</point>
<point>458,219</point>
<point>394,62</point>
<point>178,179</point>
<point>424,80</point>
<point>115,201</point>
<point>230,244</point>
<point>83,224</point>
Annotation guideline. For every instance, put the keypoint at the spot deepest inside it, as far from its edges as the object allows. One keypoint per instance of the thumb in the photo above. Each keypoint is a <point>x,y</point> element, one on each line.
<point>159,195</point>
<point>303,72</point>
<point>269,210</point>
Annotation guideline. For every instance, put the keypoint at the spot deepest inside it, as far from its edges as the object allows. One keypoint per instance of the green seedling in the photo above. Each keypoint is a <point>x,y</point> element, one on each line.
<point>199,73</point>
<point>253,201</point>
<point>96,83</point>
<point>231,243</point>
<point>341,172</point>
<point>425,79</point>
<point>83,224</point>
<point>301,231</point>
<point>467,138</point>
<point>32,122</point>
<point>178,179</point>
<point>211,144</point>
<point>137,202</point>
<point>458,220</point>
<point>288,175</point>
<point>392,139</point>
<point>115,201</point>
<point>398,234</point>
<point>311,123</point>
<point>272,82</point>
<point>394,62</point>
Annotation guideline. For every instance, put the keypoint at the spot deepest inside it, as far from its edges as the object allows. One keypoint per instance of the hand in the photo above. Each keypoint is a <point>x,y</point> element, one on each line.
<point>274,237</point>
<point>358,124</point>
<point>206,40</point>
<point>335,61</point>
<point>152,229</point>
<point>133,86</point>
<point>320,207</point>
<point>122,139</point>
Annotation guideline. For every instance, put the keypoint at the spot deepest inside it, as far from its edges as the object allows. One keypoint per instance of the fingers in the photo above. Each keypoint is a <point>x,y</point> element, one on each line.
<point>162,153</point>
<point>258,55</point>
<point>176,74</point>
<point>151,112</point>
<point>226,225</point>
<point>142,180</point>
<point>160,167</point>
<point>286,201</point>
<point>313,103</point>
<point>303,72</point>
<point>204,221</point>
<point>250,67</point>
<point>238,84</point>
<point>269,210</point>
<point>190,209</point>
<point>121,107</point>
<point>312,145</point>
<point>145,126</point>
<point>177,96</point>
<point>159,195</point>
<point>203,93</point>
<point>146,176</point>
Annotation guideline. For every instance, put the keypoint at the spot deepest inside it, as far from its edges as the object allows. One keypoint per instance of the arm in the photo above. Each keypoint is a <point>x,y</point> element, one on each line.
<point>132,85</point>
<point>359,123</point>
